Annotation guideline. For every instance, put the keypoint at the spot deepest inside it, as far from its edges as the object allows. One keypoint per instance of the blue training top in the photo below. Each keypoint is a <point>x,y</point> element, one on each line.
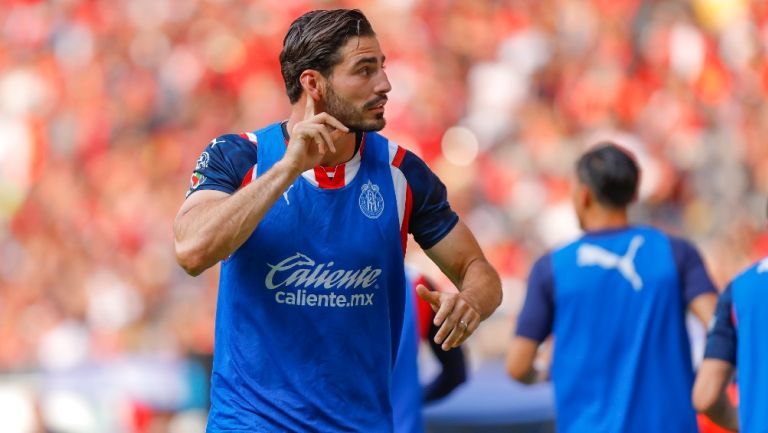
<point>615,301</point>
<point>738,335</point>
<point>310,308</point>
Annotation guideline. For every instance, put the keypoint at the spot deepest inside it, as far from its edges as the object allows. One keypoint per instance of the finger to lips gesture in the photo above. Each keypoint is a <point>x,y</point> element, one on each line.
<point>313,137</point>
<point>456,318</point>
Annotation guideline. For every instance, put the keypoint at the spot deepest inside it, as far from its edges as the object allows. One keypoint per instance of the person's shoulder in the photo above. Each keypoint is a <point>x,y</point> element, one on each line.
<point>649,230</point>
<point>389,151</point>
<point>224,163</point>
<point>758,268</point>
<point>543,262</point>
<point>688,259</point>
<point>416,172</point>
<point>231,141</point>
<point>246,140</point>
<point>542,271</point>
<point>410,164</point>
<point>567,247</point>
<point>234,147</point>
<point>679,243</point>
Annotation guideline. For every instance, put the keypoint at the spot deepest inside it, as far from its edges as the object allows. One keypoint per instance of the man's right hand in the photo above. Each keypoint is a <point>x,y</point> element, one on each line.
<point>312,138</point>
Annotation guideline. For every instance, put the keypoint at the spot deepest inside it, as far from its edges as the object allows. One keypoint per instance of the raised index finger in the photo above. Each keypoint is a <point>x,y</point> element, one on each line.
<point>309,110</point>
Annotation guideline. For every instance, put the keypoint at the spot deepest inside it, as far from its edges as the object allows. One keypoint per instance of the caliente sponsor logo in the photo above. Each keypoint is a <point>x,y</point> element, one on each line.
<point>299,271</point>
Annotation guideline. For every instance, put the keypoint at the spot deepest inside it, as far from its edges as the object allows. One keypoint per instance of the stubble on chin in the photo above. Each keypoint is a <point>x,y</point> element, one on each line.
<point>352,117</point>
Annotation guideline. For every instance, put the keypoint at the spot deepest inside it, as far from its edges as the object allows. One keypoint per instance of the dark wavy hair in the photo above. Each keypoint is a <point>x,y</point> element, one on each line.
<point>611,173</point>
<point>313,42</point>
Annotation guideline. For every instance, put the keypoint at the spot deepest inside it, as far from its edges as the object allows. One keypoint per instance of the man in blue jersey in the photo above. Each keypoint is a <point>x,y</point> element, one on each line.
<point>310,217</point>
<point>737,340</point>
<point>615,301</point>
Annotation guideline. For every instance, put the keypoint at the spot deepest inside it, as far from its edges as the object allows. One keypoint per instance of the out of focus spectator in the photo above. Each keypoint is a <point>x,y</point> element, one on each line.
<point>104,105</point>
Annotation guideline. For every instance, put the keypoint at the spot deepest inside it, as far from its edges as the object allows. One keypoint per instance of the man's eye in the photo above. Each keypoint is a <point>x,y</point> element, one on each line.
<point>365,71</point>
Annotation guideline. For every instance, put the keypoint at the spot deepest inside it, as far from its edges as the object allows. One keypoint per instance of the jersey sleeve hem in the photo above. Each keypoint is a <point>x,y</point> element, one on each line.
<point>432,241</point>
<point>211,188</point>
<point>720,355</point>
<point>527,333</point>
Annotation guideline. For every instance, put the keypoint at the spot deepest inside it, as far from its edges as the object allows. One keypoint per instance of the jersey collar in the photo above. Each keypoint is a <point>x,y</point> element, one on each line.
<point>337,176</point>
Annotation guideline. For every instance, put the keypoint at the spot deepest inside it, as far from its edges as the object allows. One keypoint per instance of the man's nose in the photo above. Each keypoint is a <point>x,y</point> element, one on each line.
<point>383,85</point>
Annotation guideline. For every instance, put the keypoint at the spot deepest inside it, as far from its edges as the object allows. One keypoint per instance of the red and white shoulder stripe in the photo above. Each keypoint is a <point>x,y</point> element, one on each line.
<point>402,190</point>
<point>250,136</point>
<point>251,174</point>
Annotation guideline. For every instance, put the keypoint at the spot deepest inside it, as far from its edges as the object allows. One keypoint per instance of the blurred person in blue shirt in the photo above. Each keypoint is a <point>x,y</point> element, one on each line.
<point>615,301</point>
<point>737,341</point>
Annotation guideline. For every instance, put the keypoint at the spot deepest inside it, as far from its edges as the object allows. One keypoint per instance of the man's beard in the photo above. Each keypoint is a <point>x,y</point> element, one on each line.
<point>352,117</point>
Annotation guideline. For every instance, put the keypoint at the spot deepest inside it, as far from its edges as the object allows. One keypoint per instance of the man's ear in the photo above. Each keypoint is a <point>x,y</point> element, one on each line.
<point>584,196</point>
<point>313,84</point>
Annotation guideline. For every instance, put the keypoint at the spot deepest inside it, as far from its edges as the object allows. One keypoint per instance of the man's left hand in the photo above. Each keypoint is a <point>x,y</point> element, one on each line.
<point>456,318</point>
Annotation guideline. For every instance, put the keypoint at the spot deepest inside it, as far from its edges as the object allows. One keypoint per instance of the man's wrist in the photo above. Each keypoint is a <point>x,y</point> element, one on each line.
<point>291,168</point>
<point>474,300</point>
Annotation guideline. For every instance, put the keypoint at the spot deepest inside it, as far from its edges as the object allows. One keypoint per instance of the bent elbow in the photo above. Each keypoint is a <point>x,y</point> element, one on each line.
<point>192,271</point>
<point>518,372</point>
<point>190,259</point>
<point>515,374</point>
<point>704,397</point>
<point>191,267</point>
<point>703,403</point>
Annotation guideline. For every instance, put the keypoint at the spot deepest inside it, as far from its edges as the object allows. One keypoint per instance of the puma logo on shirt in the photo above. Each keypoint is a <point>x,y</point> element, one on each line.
<point>285,195</point>
<point>593,255</point>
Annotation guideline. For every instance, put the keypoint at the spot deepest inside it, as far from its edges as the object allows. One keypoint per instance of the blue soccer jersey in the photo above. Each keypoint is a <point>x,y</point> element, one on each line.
<point>615,302</point>
<point>310,308</point>
<point>738,336</point>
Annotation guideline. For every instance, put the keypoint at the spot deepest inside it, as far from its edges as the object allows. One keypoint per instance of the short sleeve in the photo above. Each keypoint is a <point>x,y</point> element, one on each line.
<point>721,338</point>
<point>537,315</point>
<point>224,164</point>
<point>431,217</point>
<point>694,278</point>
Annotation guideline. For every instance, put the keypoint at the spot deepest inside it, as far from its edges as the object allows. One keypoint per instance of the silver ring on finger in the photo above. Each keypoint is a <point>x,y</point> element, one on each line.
<point>463,325</point>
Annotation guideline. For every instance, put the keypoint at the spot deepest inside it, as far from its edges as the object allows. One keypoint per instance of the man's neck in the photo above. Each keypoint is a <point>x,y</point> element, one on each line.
<point>605,219</point>
<point>345,145</point>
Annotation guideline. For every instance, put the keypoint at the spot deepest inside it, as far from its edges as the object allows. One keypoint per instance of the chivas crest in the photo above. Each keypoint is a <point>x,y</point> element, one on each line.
<point>371,202</point>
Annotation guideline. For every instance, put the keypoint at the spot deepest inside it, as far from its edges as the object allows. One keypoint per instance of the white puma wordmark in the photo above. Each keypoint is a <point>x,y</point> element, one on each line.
<point>593,255</point>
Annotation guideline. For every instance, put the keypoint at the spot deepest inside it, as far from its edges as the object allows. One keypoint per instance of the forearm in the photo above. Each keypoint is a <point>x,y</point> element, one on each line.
<point>724,414</point>
<point>210,231</point>
<point>709,392</point>
<point>520,358</point>
<point>459,314</point>
<point>481,286</point>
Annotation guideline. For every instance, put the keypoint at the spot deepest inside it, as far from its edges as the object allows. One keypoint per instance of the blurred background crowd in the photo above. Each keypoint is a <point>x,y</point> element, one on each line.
<point>105,106</point>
